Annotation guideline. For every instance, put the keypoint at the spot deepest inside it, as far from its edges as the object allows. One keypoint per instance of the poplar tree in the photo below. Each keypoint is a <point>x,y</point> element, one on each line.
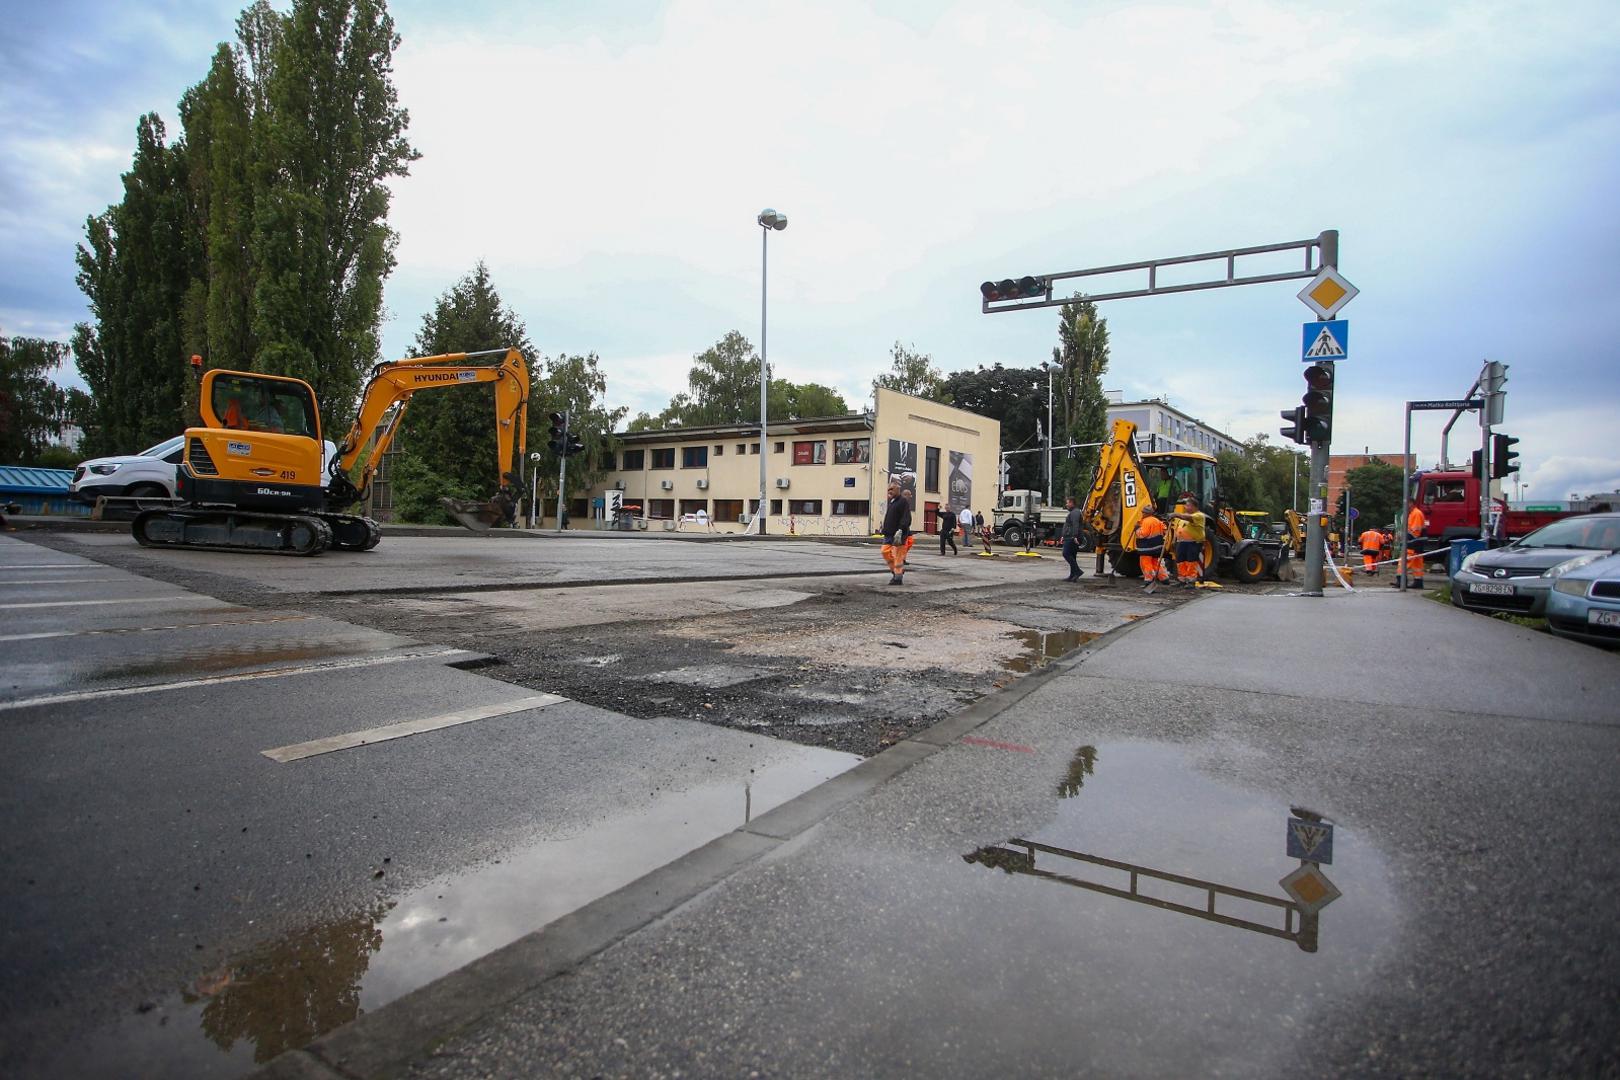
<point>1081,356</point>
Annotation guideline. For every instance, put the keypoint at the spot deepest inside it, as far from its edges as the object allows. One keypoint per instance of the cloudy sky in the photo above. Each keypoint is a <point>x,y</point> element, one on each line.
<point>607,162</point>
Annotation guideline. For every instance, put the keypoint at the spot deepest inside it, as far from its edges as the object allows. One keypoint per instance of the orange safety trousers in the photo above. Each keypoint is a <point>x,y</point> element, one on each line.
<point>1189,570</point>
<point>1369,561</point>
<point>1153,568</point>
<point>895,554</point>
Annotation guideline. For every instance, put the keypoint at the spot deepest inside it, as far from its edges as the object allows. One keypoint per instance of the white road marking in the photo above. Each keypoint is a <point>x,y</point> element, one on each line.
<point>54,566</point>
<point>216,680</point>
<point>89,603</point>
<point>352,739</point>
<point>145,629</point>
<point>56,581</point>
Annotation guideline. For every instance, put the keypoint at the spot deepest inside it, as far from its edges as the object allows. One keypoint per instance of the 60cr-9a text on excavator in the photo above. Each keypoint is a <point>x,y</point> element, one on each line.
<point>1127,480</point>
<point>252,477</point>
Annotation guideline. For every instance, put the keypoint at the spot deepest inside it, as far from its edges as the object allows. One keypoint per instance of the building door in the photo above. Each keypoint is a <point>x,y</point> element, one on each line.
<point>930,517</point>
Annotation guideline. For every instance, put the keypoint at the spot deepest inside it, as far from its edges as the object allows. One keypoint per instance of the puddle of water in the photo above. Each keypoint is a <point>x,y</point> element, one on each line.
<point>207,661</point>
<point>1154,875</point>
<point>294,989</point>
<point>1041,647</point>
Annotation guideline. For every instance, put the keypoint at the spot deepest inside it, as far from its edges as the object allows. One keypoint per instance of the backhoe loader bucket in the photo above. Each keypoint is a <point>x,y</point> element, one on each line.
<point>477,516</point>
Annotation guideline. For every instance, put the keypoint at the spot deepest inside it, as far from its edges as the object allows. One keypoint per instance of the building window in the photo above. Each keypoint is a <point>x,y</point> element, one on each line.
<point>742,448</point>
<point>931,469</point>
<point>851,508</point>
<point>579,509</point>
<point>852,451</point>
<point>777,448</point>
<point>807,507</point>
<point>720,450</point>
<point>661,509</point>
<point>753,448</point>
<point>810,453</point>
<point>694,457</point>
<point>728,509</point>
<point>692,506</point>
<point>776,507</point>
<point>664,459</point>
<point>634,460</point>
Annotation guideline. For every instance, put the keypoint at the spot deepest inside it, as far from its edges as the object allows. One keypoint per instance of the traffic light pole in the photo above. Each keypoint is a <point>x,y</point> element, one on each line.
<point>562,472</point>
<point>1485,475</point>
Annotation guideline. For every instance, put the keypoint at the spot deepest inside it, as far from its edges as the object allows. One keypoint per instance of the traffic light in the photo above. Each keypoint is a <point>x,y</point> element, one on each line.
<point>1477,466</point>
<point>1342,508</point>
<point>1318,403</point>
<point>559,433</point>
<point>575,445</point>
<point>1023,288</point>
<point>1504,459</point>
<point>1295,430</point>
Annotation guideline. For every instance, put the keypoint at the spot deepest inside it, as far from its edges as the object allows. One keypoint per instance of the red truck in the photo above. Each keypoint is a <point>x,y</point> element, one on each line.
<point>1451,500</point>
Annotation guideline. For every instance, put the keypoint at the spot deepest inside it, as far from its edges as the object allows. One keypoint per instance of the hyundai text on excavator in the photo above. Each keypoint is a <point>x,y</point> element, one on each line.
<point>1126,480</point>
<point>252,477</point>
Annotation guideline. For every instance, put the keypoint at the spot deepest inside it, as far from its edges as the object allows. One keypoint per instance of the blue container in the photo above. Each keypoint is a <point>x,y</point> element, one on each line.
<point>1460,550</point>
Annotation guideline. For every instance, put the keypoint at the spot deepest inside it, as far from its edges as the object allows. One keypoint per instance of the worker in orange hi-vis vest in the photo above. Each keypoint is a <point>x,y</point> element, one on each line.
<point>1416,523</point>
<point>1150,549</point>
<point>1372,542</point>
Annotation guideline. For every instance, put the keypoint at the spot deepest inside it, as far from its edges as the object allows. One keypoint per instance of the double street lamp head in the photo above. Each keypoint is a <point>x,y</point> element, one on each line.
<point>771,219</point>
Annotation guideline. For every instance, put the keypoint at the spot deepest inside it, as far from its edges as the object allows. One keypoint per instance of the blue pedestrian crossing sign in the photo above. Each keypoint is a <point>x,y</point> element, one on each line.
<point>1311,840</point>
<point>1326,341</point>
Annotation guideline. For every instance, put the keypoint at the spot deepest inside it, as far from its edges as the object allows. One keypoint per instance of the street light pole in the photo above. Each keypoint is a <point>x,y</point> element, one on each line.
<point>768,219</point>
<point>1049,369</point>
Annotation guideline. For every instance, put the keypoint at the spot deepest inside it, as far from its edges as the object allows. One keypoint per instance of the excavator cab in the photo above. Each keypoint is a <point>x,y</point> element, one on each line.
<point>259,446</point>
<point>1170,474</point>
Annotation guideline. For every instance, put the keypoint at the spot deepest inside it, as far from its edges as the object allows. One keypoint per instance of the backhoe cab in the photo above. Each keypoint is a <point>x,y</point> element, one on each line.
<point>252,478</point>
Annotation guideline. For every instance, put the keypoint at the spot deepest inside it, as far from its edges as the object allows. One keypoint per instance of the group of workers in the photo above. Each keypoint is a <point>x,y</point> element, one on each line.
<point>1377,546</point>
<point>1188,528</point>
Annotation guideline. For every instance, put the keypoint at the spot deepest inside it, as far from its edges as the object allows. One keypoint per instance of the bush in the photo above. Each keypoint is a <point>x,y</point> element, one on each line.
<point>417,490</point>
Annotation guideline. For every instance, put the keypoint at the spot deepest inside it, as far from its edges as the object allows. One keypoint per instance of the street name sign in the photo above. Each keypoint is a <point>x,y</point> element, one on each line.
<point>1328,291</point>
<point>1311,841</point>
<point>1310,888</point>
<point>1449,403</point>
<point>1325,341</point>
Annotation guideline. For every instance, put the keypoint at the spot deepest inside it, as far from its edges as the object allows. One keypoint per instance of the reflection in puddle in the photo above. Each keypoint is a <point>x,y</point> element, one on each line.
<point>291,991</point>
<point>1043,646</point>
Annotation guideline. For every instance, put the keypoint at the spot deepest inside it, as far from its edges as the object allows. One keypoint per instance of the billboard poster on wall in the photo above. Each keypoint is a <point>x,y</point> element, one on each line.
<point>903,470</point>
<point>960,483</point>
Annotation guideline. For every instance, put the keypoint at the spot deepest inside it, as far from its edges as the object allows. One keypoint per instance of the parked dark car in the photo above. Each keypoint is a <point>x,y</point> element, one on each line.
<point>1517,577</point>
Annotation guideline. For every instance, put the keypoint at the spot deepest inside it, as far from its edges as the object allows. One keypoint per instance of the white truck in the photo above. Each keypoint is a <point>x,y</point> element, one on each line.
<point>1021,512</point>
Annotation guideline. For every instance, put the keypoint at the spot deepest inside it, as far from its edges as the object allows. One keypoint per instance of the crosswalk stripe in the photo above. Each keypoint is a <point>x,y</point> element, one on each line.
<point>315,747</point>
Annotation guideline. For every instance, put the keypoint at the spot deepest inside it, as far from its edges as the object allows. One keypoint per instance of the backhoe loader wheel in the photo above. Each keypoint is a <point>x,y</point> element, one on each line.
<point>1249,565</point>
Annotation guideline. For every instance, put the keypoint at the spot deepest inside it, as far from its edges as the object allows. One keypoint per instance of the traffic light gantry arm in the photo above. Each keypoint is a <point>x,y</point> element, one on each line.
<point>395,381</point>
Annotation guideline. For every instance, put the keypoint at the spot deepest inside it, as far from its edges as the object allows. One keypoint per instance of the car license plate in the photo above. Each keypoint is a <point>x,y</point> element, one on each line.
<point>1603,618</point>
<point>1492,588</point>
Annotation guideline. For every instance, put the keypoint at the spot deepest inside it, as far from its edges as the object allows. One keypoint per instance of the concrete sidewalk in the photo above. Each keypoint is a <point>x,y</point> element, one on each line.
<point>862,929</point>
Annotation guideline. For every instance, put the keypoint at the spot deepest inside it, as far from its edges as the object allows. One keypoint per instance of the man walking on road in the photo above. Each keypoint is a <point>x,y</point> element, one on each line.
<point>1072,527</point>
<point>1150,548</point>
<point>947,529</point>
<point>1372,542</point>
<point>897,538</point>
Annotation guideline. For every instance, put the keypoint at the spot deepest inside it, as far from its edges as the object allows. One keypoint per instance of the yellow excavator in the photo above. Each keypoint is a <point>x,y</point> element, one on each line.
<point>1126,480</point>
<point>253,476</point>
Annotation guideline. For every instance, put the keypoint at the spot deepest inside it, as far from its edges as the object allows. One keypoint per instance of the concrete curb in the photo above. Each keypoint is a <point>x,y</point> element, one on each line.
<point>386,1042</point>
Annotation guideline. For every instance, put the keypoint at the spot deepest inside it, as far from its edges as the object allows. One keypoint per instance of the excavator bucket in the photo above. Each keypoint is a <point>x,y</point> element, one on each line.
<point>475,515</point>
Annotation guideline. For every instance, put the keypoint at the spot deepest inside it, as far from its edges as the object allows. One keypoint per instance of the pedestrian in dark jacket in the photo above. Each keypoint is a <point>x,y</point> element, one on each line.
<point>947,530</point>
<point>1072,528</point>
<point>897,538</point>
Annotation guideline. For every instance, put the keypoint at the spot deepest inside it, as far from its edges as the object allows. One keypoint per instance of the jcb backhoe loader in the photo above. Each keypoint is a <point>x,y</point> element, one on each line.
<point>251,479</point>
<point>1127,480</point>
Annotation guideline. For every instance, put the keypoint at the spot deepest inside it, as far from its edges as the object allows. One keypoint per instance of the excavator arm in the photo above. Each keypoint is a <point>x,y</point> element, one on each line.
<point>1119,490</point>
<point>389,392</point>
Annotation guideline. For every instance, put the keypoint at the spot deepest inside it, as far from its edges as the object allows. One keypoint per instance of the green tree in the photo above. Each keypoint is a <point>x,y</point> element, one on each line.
<point>32,407</point>
<point>1081,356</point>
<point>1375,492</point>
<point>451,432</point>
<point>1017,398</point>
<point>331,135</point>
<point>575,385</point>
<point>1259,477</point>
<point>912,372</point>
<point>799,401</point>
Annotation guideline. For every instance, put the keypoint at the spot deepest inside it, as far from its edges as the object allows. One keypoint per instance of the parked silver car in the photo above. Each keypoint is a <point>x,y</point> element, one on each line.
<point>1585,603</point>
<point>1517,577</point>
<point>149,474</point>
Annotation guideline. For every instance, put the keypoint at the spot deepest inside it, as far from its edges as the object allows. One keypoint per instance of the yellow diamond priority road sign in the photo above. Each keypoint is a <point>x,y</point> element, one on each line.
<point>1310,888</point>
<point>1328,291</point>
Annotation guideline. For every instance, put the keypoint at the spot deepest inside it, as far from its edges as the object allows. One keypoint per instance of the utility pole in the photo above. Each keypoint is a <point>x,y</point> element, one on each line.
<point>1315,541</point>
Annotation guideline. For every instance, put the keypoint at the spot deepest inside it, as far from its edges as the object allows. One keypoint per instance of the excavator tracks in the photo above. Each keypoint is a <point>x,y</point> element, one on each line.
<point>235,530</point>
<point>351,533</point>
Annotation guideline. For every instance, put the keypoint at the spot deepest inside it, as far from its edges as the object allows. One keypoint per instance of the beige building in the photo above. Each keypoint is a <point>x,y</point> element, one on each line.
<point>827,476</point>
